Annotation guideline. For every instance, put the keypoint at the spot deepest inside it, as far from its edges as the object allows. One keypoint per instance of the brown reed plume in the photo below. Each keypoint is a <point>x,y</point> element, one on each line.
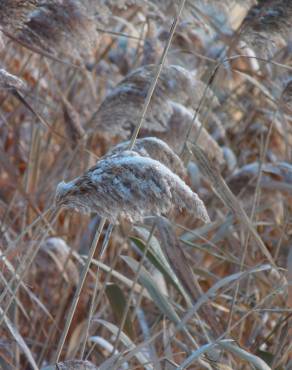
<point>154,148</point>
<point>56,26</point>
<point>178,126</point>
<point>129,185</point>
<point>266,22</point>
<point>119,112</point>
<point>15,13</point>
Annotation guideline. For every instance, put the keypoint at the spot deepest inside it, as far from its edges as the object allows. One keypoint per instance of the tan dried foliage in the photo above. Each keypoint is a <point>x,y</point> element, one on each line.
<point>59,253</point>
<point>129,185</point>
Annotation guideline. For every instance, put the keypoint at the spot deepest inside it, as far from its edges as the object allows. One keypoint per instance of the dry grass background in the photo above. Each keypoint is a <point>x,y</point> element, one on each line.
<point>213,81</point>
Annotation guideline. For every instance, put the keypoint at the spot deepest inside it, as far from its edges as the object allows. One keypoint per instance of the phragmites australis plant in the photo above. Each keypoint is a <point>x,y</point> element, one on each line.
<point>62,26</point>
<point>125,101</point>
<point>171,112</point>
<point>154,148</point>
<point>129,185</point>
<point>158,116</point>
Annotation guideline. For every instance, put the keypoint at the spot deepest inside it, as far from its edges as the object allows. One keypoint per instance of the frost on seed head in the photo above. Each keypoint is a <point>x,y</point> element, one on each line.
<point>267,22</point>
<point>9,81</point>
<point>131,186</point>
<point>156,149</point>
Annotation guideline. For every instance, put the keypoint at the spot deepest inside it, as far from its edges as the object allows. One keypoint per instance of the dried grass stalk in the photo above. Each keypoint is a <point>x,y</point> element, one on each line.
<point>9,81</point>
<point>129,185</point>
<point>121,109</point>
<point>268,21</point>
<point>156,149</point>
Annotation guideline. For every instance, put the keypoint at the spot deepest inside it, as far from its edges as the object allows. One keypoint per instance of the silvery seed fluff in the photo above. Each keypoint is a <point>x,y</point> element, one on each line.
<point>131,186</point>
<point>156,149</point>
<point>9,81</point>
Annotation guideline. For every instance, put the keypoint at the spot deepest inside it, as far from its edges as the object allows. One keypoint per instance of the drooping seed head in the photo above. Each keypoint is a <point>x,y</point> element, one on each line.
<point>121,110</point>
<point>9,81</point>
<point>129,185</point>
<point>154,148</point>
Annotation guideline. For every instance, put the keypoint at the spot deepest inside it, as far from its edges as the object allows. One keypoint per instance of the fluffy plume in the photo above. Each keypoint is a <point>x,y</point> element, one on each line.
<point>15,13</point>
<point>56,25</point>
<point>179,123</point>
<point>121,109</point>
<point>275,176</point>
<point>268,21</point>
<point>175,83</point>
<point>9,81</point>
<point>129,185</point>
<point>156,149</point>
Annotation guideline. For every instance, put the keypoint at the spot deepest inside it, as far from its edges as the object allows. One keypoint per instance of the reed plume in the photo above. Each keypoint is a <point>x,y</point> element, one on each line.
<point>119,113</point>
<point>154,148</point>
<point>56,26</point>
<point>178,127</point>
<point>9,81</point>
<point>275,176</point>
<point>15,13</point>
<point>129,185</point>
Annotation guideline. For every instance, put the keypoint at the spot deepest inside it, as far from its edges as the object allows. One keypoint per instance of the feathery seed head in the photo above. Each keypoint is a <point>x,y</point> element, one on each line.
<point>9,81</point>
<point>56,25</point>
<point>266,22</point>
<point>14,13</point>
<point>120,111</point>
<point>129,185</point>
<point>156,149</point>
